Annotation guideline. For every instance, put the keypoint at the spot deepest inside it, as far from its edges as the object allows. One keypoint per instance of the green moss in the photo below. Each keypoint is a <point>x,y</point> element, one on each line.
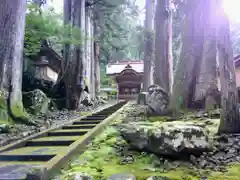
<point>83,113</point>
<point>158,118</point>
<point>233,173</point>
<point>49,150</point>
<point>4,117</point>
<point>211,125</point>
<point>102,160</point>
<point>18,110</point>
<point>57,138</point>
<point>19,114</point>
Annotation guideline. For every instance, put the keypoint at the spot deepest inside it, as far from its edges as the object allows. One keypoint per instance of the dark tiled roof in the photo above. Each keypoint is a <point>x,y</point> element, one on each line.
<point>237,61</point>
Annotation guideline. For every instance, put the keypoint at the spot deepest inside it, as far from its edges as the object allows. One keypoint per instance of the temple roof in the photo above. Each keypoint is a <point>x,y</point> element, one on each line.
<point>118,67</point>
<point>237,61</point>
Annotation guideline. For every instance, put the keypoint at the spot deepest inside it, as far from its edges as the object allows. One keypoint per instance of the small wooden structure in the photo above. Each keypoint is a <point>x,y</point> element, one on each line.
<point>128,76</point>
<point>47,63</point>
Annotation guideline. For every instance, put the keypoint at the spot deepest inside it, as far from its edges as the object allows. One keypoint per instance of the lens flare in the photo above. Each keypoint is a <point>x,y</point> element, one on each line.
<point>232,9</point>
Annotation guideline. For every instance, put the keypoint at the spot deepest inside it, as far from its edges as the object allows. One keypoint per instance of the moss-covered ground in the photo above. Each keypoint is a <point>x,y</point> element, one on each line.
<point>102,159</point>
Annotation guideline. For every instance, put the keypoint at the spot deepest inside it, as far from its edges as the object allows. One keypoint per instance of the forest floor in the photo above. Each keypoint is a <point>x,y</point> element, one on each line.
<point>110,154</point>
<point>11,131</point>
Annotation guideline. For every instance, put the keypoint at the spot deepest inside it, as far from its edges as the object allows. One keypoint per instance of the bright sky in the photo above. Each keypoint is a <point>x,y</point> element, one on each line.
<point>232,8</point>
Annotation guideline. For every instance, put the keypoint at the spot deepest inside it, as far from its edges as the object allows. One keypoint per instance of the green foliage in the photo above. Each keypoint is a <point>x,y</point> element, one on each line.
<point>119,33</point>
<point>41,25</point>
<point>112,93</point>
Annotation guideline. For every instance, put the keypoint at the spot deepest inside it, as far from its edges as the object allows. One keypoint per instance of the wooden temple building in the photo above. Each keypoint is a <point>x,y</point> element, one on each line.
<point>128,76</point>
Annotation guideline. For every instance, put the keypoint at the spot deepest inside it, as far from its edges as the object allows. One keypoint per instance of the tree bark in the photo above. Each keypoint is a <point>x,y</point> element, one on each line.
<point>206,84</point>
<point>96,31</point>
<point>163,46</point>
<point>230,118</point>
<point>148,48</point>
<point>190,57</point>
<point>74,58</point>
<point>87,50</point>
<point>12,24</point>
<point>90,52</point>
<point>97,69</point>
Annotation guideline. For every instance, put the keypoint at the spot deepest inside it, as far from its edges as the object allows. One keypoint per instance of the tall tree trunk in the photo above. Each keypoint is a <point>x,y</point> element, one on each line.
<point>190,57</point>
<point>90,52</point>
<point>74,63</point>
<point>97,69</point>
<point>206,85</point>
<point>12,24</point>
<point>96,31</point>
<point>92,64</point>
<point>87,50</point>
<point>148,48</point>
<point>230,118</point>
<point>163,46</point>
<point>67,22</point>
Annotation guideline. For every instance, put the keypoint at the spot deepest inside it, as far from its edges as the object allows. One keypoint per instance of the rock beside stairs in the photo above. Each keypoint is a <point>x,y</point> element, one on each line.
<point>168,138</point>
<point>36,101</point>
<point>157,100</point>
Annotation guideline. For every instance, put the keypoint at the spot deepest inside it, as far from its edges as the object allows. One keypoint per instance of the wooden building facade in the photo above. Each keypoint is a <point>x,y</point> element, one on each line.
<point>128,76</point>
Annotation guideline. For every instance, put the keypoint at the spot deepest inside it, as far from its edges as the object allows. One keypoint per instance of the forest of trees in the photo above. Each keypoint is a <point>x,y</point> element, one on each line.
<point>206,50</point>
<point>184,44</point>
<point>86,31</point>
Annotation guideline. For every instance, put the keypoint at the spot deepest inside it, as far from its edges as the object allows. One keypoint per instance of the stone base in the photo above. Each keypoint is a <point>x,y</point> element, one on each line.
<point>142,98</point>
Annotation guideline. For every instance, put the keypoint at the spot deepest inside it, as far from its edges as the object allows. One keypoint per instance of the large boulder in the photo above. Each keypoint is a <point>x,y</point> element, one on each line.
<point>157,100</point>
<point>4,128</point>
<point>36,101</point>
<point>166,138</point>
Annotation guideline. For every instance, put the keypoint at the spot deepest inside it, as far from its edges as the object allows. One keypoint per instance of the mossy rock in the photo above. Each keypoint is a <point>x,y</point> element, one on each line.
<point>159,118</point>
<point>36,102</point>
<point>20,115</point>
<point>4,117</point>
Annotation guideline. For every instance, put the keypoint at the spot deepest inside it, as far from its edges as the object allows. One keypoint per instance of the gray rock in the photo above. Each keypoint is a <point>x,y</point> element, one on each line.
<point>142,98</point>
<point>168,138</point>
<point>36,101</point>
<point>127,160</point>
<point>86,99</point>
<point>122,177</point>
<point>4,128</point>
<point>157,100</point>
<point>134,113</point>
<point>101,100</point>
<point>82,176</point>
